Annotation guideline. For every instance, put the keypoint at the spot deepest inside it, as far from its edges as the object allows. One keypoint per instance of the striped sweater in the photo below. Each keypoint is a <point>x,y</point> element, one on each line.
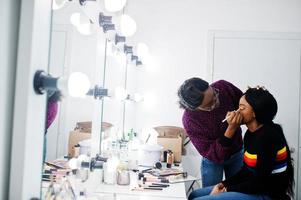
<point>265,164</point>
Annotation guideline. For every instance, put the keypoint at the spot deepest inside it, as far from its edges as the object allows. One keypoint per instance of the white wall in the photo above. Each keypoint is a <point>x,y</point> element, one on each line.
<point>176,33</point>
<point>9,20</point>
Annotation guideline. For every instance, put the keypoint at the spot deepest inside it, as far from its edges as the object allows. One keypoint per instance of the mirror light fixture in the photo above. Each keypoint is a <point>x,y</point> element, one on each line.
<point>58,4</point>
<point>83,2</point>
<point>119,38</point>
<point>138,62</point>
<point>76,85</point>
<point>108,27</point>
<point>136,97</point>
<point>114,5</point>
<point>134,58</point>
<point>128,26</point>
<point>98,92</point>
<point>104,19</point>
<point>127,49</point>
<point>105,22</point>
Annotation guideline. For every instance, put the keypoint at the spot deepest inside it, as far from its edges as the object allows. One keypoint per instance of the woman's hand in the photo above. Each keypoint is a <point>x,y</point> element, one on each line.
<point>234,119</point>
<point>219,188</point>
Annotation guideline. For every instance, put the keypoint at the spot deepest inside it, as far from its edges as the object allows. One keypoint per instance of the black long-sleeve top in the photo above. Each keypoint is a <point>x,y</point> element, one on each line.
<point>265,164</point>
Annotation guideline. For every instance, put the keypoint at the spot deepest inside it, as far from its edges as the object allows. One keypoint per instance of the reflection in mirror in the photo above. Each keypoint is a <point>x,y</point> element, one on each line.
<point>77,45</point>
<point>99,126</point>
<point>115,80</point>
<point>95,37</point>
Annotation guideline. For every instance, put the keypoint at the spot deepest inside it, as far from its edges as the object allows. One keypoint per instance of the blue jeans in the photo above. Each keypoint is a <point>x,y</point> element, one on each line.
<point>212,173</point>
<point>203,194</point>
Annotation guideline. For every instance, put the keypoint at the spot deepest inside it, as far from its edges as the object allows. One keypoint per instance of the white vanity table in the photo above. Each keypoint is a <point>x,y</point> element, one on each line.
<point>95,190</point>
<point>174,191</point>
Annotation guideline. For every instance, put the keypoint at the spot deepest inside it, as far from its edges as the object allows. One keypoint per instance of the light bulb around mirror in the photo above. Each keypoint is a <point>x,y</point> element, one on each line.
<point>120,57</point>
<point>58,4</point>
<point>114,5</point>
<point>73,163</point>
<point>128,26</point>
<point>143,53</point>
<point>142,50</point>
<point>85,29</point>
<point>75,19</point>
<point>78,84</point>
<point>120,93</point>
<point>138,97</point>
<point>81,22</point>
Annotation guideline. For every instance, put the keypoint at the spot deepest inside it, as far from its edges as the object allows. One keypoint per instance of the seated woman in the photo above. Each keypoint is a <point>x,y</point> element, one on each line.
<point>267,173</point>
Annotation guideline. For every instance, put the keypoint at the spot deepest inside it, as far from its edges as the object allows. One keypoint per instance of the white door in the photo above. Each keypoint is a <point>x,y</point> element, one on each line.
<point>29,108</point>
<point>268,59</point>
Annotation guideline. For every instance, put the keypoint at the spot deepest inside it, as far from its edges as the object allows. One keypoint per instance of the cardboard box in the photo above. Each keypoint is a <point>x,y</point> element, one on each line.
<point>173,143</point>
<point>74,138</point>
<point>84,126</point>
<point>172,132</point>
<point>87,126</point>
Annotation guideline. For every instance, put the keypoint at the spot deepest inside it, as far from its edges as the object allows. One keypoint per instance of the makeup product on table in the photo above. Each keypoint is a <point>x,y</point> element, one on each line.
<point>155,180</point>
<point>161,184</point>
<point>170,159</point>
<point>158,165</point>
<point>123,177</point>
<point>145,188</point>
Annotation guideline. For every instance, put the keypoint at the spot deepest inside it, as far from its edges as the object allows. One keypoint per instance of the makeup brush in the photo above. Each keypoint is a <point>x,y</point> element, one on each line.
<point>229,116</point>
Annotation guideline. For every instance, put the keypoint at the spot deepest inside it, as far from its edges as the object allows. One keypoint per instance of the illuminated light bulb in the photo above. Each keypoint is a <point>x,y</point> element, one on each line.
<point>143,53</point>
<point>75,19</point>
<point>114,5</point>
<point>73,163</point>
<point>142,50</point>
<point>82,158</point>
<point>112,163</point>
<point>120,57</point>
<point>81,22</point>
<point>138,97</point>
<point>78,84</point>
<point>58,4</point>
<point>120,93</point>
<point>127,26</point>
<point>84,29</point>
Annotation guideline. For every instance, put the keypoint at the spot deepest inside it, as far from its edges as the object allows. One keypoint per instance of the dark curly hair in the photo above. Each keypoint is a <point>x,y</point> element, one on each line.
<point>263,103</point>
<point>191,93</point>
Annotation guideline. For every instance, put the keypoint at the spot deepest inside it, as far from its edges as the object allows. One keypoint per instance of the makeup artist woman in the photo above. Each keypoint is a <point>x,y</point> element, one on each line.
<point>219,145</point>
